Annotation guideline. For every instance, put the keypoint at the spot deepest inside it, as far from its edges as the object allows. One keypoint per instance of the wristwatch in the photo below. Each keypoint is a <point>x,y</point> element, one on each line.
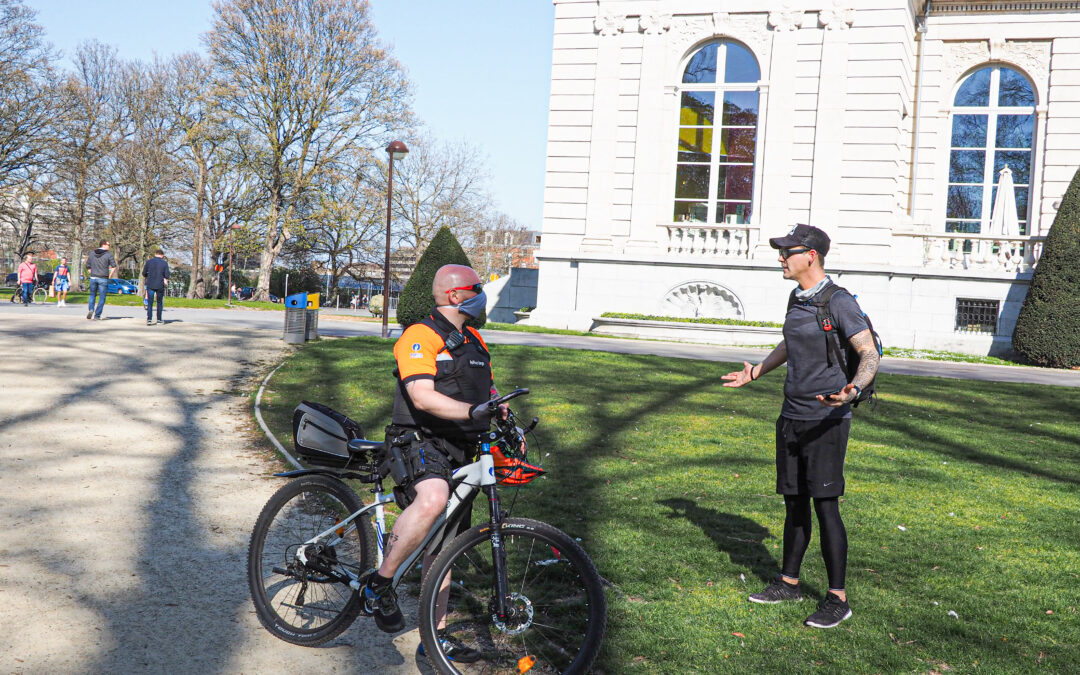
<point>858,390</point>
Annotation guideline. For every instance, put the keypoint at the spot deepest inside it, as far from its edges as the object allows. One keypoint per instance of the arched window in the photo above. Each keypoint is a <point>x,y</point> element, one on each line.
<point>993,126</point>
<point>714,173</point>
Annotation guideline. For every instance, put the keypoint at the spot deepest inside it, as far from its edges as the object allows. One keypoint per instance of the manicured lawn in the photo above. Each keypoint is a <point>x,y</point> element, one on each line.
<point>668,479</point>
<point>200,303</point>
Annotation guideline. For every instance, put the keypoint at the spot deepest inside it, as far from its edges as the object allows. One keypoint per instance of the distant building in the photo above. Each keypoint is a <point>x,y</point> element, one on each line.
<point>684,134</point>
<point>499,251</point>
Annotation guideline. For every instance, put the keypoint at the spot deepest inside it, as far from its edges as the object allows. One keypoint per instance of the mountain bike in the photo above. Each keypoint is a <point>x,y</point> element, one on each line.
<point>39,295</point>
<point>522,593</point>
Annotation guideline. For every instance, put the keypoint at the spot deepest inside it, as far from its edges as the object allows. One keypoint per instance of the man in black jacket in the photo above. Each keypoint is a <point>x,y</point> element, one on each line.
<point>156,273</point>
<point>102,266</point>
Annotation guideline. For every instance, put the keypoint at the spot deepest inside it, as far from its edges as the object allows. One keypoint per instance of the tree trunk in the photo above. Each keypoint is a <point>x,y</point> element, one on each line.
<point>196,285</point>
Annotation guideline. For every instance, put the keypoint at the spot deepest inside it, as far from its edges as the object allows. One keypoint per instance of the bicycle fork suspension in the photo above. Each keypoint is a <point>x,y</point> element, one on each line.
<point>498,556</point>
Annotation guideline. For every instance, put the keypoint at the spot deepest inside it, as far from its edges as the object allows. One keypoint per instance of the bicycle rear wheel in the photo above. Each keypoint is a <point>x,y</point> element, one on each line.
<point>559,611</point>
<point>308,604</point>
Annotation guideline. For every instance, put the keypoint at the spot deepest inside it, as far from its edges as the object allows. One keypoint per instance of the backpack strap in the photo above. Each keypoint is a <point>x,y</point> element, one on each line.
<point>833,347</point>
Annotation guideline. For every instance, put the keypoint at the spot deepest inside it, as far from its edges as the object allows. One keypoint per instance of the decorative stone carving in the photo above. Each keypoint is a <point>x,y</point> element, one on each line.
<point>655,23</point>
<point>786,19</point>
<point>750,29</point>
<point>1031,57</point>
<point>701,299</point>
<point>837,17</point>
<point>609,24</point>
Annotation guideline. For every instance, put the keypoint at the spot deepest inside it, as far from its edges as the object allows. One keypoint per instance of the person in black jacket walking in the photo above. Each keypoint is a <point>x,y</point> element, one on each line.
<point>102,266</point>
<point>156,273</point>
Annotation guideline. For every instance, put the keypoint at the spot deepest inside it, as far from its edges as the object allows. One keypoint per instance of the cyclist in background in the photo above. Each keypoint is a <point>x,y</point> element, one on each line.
<point>61,282</point>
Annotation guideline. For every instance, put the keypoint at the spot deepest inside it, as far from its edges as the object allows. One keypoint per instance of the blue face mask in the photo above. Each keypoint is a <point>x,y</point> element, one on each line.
<point>474,305</point>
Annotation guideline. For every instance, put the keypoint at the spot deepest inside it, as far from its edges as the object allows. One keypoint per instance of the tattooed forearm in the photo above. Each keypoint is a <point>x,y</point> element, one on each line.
<point>391,539</point>
<point>869,359</point>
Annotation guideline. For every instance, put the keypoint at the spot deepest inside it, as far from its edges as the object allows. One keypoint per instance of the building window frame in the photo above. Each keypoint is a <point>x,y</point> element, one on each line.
<point>701,202</point>
<point>962,159</point>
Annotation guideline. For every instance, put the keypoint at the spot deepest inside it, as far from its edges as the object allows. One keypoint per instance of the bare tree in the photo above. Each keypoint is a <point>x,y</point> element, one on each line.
<point>27,101</point>
<point>308,79</point>
<point>199,119</point>
<point>87,132</point>
<point>438,185</point>
<point>147,173</point>
<point>344,221</point>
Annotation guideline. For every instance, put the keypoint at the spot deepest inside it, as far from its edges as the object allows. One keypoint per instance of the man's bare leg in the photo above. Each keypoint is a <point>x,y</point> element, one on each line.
<point>413,524</point>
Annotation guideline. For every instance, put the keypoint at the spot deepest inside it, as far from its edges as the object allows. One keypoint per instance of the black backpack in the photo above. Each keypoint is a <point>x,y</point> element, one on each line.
<point>838,350</point>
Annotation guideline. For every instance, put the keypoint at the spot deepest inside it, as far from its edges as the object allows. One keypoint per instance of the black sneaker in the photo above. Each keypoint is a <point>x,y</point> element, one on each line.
<point>778,591</point>
<point>384,607</point>
<point>830,613</point>
<point>149,322</point>
<point>454,649</point>
<point>90,314</point>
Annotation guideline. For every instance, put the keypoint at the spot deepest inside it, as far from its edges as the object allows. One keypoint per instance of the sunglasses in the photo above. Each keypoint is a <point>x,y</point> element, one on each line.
<point>475,288</point>
<point>786,253</point>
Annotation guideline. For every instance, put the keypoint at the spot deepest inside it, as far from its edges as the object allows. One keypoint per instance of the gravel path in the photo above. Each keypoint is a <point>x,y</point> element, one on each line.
<point>130,478</point>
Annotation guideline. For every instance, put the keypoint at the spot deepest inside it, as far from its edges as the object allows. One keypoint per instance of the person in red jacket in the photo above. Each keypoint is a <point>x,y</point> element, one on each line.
<point>27,274</point>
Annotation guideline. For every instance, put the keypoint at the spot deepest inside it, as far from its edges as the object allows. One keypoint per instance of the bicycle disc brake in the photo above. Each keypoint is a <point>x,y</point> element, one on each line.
<point>518,618</point>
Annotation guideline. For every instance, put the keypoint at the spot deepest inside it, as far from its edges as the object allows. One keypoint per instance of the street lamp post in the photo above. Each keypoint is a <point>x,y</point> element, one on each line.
<point>396,150</point>
<point>229,290</point>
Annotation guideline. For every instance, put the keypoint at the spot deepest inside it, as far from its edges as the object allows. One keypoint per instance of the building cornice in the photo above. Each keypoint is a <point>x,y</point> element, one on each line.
<point>954,7</point>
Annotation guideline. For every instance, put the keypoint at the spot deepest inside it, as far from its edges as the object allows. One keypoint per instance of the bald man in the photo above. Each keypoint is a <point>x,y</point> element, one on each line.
<point>444,380</point>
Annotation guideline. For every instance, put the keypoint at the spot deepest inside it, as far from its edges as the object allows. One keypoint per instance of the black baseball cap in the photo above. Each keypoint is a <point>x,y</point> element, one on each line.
<point>803,235</point>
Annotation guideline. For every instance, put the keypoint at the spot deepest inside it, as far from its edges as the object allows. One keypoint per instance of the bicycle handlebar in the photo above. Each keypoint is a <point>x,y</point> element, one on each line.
<point>496,402</point>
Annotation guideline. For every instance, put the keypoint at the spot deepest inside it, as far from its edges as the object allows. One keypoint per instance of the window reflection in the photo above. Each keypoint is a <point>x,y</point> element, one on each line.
<point>740,65</point>
<point>975,91</point>
<point>724,169</point>
<point>1004,133</point>
<point>702,67</point>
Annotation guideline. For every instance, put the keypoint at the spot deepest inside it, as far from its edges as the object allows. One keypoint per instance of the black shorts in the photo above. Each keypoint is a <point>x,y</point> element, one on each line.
<point>810,456</point>
<point>431,461</point>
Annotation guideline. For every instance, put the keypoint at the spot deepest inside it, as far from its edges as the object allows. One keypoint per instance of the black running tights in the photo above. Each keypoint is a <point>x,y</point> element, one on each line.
<point>797,529</point>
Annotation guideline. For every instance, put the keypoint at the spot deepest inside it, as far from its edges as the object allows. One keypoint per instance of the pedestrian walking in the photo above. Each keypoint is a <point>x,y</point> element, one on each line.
<point>156,273</point>
<point>812,430</point>
<point>102,266</point>
<point>27,276</point>
<point>61,282</point>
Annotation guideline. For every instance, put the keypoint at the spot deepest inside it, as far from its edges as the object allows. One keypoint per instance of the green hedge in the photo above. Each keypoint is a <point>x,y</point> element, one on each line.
<point>1048,328</point>
<point>683,319</point>
<point>416,302</point>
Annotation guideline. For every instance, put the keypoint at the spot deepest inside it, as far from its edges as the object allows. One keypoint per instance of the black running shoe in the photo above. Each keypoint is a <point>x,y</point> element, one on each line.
<point>383,605</point>
<point>830,613</point>
<point>778,591</point>
<point>455,650</point>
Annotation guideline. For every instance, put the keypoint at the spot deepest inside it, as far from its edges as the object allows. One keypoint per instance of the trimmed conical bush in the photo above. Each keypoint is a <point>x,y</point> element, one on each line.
<point>416,302</point>
<point>1048,328</point>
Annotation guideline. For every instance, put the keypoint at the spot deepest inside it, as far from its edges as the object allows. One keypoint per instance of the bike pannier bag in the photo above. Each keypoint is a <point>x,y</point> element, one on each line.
<point>321,434</point>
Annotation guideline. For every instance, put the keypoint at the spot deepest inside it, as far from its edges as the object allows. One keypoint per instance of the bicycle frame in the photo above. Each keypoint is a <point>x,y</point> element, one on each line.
<point>466,482</point>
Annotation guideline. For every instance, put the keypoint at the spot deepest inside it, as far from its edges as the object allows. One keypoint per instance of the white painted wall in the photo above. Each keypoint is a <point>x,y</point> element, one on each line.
<point>835,149</point>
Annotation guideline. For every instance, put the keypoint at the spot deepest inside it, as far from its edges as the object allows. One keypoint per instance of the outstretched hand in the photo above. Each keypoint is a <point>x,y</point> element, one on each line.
<point>739,377</point>
<point>838,399</point>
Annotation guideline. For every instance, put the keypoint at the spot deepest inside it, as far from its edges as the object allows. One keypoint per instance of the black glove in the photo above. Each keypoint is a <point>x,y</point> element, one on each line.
<point>482,412</point>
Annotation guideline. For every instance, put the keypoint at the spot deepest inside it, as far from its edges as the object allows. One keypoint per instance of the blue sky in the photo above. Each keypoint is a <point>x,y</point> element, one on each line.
<point>480,69</point>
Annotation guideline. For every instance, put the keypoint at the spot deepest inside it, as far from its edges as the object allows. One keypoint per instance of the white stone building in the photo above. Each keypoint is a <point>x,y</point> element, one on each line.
<point>685,133</point>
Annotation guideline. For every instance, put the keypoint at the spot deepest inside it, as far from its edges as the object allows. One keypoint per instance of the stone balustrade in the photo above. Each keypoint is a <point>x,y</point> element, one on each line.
<point>957,250</point>
<point>711,241</point>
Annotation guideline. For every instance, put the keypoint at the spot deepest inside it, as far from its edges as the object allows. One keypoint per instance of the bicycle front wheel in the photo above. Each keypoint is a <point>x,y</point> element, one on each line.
<point>308,603</point>
<point>40,295</point>
<point>558,610</point>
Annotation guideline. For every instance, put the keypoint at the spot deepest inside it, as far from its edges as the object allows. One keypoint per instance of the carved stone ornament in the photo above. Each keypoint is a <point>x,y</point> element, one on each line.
<point>1030,57</point>
<point>690,29</point>
<point>655,23</point>
<point>786,19</point>
<point>609,24</point>
<point>701,299</point>
<point>837,17</point>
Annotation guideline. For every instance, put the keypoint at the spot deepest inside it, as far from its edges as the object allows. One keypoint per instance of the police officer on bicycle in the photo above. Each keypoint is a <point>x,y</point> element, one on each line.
<point>444,384</point>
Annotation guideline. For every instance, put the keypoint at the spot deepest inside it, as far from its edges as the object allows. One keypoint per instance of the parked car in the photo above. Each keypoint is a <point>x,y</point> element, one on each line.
<point>11,279</point>
<point>44,278</point>
<point>274,298</point>
<point>122,286</point>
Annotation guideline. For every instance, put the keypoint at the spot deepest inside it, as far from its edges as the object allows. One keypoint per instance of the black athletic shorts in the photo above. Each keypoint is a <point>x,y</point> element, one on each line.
<point>810,456</point>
